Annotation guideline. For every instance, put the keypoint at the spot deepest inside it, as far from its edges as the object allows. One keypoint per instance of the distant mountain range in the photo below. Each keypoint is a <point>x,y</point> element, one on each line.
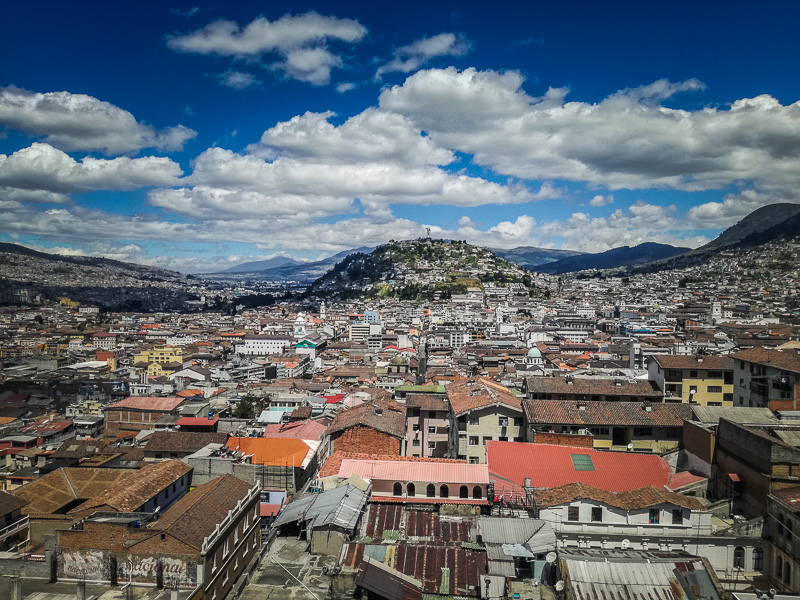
<point>265,265</point>
<point>290,270</point>
<point>530,257</point>
<point>624,256</point>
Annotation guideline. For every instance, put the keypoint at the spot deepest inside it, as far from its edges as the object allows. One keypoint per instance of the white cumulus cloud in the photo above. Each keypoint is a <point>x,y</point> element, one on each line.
<point>43,167</point>
<point>300,42</point>
<point>415,55</point>
<point>80,122</point>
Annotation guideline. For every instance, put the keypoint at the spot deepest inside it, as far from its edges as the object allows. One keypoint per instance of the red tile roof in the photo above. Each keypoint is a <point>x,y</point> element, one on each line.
<point>149,403</point>
<point>602,412</point>
<point>552,466</point>
<point>476,392</point>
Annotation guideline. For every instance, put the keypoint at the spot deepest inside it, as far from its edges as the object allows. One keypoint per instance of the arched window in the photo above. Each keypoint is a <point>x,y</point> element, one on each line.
<point>778,568</point>
<point>398,489</point>
<point>444,491</point>
<point>477,492</point>
<point>738,558</point>
<point>463,492</point>
<point>431,491</point>
<point>758,559</point>
<point>411,490</point>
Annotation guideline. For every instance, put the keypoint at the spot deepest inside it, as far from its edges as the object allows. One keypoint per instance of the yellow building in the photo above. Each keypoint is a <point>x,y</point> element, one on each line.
<point>703,380</point>
<point>161,354</point>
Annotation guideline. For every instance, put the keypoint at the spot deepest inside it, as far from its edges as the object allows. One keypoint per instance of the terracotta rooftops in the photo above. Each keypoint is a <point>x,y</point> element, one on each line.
<point>630,500</point>
<point>334,462</point>
<point>136,489</point>
<point>386,416</point>
<point>477,392</point>
<point>195,516</point>
<point>155,403</point>
<point>711,363</point>
<point>787,360</point>
<point>182,441</point>
<point>596,387</point>
<point>597,412</point>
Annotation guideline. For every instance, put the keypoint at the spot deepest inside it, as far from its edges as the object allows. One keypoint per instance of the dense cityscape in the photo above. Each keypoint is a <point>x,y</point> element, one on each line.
<point>399,301</point>
<point>459,426</point>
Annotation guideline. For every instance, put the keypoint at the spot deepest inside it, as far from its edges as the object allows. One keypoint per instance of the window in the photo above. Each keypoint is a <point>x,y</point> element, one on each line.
<point>654,516</point>
<point>473,420</point>
<point>715,374</point>
<point>414,412</point>
<point>477,492</point>
<point>778,568</point>
<point>738,558</point>
<point>693,374</point>
<point>503,438</point>
<point>677,516</point>
<point>214,563</point>
<point>415,427</point>
<point>463,492</point>
<point>787,573</point>
<point>517,439</point>
<point>582,462</point>
<point>599,430</point>
<point>715,389</point>
<point>431,445</point>
<point>643,432</point>
<point>411,490</point>
<point>517,421</point>
<point>573,513</point>
<point>597,513</point>
<point>431,429</point>
<point>758,559</point>
<point>430,492</point>
<point>397,489</point>
<point>226,547</point>
<point>502,421</point>
<point>474,460</point>
<point>415,442</point>
<point>444,491</point>
<point>487,438</point>
<point>473,440</point>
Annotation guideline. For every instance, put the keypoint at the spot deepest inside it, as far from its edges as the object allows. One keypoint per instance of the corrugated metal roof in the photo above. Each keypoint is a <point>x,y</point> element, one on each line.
<point>340,507</point>
<point>790,436</point>
<point>614,576</point>
<point>737,414</point>
<point>551,466</point>
<point>460,473</point>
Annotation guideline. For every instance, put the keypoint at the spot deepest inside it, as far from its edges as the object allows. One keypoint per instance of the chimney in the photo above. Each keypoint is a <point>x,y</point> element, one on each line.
<point>647,407</point>
<point>699,359</point>
<point>581,405</point>
<point>379,412</point>
<point>527,482</point>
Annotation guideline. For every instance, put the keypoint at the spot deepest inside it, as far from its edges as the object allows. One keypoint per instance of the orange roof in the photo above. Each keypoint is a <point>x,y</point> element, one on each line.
<point>189,393</point>
<point>271,451</point>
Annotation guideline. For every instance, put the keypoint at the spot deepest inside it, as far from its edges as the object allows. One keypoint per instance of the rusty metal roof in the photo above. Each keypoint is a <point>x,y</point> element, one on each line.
<point>622,575</point>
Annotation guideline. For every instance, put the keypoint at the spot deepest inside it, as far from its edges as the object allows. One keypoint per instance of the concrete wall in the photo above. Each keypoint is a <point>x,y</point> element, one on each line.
<point>327,542</point>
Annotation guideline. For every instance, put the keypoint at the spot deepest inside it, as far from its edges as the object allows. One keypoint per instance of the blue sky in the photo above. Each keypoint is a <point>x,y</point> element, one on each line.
<point>198,136</point>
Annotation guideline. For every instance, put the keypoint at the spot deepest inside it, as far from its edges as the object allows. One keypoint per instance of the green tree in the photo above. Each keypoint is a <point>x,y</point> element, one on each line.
<point>245,408</point>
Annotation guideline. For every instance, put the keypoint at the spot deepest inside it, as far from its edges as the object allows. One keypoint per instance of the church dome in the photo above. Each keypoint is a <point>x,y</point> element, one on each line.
<point>534,353</point>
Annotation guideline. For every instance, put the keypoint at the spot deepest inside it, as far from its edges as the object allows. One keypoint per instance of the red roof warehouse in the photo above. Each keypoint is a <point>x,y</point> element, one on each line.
<point>552,466</point>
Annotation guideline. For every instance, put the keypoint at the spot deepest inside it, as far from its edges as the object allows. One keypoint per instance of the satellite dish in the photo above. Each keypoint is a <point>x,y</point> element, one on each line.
<point>625,544</point>
<point>630,446</point>
<point>551,557</point>
<point>560,585</point>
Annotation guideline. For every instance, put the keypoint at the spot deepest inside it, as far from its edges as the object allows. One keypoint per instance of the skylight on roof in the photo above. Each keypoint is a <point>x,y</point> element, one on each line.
<point>582,462</point>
